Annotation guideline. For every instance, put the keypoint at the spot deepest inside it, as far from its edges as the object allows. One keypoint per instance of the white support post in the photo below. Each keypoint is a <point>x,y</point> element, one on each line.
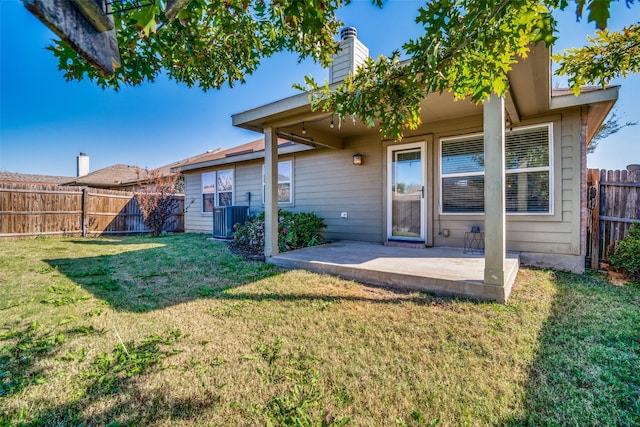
<point>271,192</point>
<point>494,192</point>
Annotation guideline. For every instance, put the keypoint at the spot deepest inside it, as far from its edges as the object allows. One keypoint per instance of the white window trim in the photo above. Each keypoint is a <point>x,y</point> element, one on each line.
<point>291,195</point>
<point>549,168</point>
<point>536,169</point>
<point>216,192</point>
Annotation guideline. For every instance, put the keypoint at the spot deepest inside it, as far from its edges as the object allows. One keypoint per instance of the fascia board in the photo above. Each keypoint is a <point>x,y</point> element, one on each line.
<point>245,157</point>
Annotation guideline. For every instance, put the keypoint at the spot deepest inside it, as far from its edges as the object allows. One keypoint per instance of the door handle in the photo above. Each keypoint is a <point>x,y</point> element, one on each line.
<point>422,190</point>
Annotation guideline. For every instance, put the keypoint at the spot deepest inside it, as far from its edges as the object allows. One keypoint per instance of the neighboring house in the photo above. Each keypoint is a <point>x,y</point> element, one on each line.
<point>120,176</point>
<point>434,185</point>
<point>233,177</point>
<point>26,178</point>
<point>127,177</point>
<point>115,177</point>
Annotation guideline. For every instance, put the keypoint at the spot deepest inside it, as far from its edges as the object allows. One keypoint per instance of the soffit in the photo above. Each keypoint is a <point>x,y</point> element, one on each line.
<point>530,81</point>
<point>529,96</point>
<point>599,102</point>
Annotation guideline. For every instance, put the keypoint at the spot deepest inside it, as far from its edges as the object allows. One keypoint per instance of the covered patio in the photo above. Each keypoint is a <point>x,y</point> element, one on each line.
<point>487,276</point>
<point>548,202</point>
<point>440,270</point>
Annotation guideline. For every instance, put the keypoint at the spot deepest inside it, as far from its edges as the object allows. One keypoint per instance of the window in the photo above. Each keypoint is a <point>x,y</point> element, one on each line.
<point>208,191</point>
<point>285,182</point>
<point>527,172</point>
<point>217,189</point>
<point>463,175</point>
<point>225,188</point>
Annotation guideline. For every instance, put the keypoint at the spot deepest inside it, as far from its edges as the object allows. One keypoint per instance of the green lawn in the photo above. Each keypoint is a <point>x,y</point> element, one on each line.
<point>179,331</point>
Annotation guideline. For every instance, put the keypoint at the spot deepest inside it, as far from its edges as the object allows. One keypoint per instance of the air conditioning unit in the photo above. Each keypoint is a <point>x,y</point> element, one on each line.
<point>225,217</point>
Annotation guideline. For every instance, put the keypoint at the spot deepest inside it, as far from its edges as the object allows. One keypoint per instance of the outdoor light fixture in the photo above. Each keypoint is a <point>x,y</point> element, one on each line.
<point>357,159</point>
<point>331,125</point>
<point>304,131</point>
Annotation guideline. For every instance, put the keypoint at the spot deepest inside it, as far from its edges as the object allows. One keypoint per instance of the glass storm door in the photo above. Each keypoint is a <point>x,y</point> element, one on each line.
<point>406,192</point>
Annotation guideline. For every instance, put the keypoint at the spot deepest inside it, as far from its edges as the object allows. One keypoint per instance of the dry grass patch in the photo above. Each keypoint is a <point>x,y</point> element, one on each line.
<point>179,331</point>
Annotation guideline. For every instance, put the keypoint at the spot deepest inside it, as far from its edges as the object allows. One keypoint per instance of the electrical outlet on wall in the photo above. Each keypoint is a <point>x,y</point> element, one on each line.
<point>343,215</point>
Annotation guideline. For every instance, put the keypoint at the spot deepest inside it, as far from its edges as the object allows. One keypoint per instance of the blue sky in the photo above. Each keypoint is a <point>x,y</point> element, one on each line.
<point>45,121</point>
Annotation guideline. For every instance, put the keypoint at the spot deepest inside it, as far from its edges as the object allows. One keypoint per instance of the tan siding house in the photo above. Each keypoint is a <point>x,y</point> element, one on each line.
<point>326,182</point>
<point>429,189</point>
<point>318,186</point>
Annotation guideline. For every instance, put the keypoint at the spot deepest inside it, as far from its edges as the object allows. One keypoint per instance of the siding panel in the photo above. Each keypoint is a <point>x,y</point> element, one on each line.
<point>327,183</point>
<point>194,220</point>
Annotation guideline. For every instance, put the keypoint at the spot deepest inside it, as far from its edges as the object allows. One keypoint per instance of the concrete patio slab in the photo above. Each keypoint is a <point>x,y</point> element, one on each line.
<point>442,271</point>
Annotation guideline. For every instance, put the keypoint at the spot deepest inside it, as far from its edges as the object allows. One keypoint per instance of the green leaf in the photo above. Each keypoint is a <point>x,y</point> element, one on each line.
<point>599,12</point>
<point>145,19</point>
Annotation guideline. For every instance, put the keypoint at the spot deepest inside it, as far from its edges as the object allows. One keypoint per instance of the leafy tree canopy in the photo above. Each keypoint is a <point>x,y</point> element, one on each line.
<point>606,56</point>
<point>467,47</point>
<point>210,43</point>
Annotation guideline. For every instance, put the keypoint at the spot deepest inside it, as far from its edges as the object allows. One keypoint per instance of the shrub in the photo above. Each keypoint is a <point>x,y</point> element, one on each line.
<point>295,231</point>
<point>627,253</point>
<point>249,237</point>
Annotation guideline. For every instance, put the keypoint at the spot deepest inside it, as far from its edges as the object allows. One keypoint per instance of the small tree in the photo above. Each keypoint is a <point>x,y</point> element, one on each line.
<point>157,201</point>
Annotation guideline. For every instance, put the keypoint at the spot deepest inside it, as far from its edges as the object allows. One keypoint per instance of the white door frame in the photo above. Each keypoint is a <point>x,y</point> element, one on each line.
<point>423,162</point>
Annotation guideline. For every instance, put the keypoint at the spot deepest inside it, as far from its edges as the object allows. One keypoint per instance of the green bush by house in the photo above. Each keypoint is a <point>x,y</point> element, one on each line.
<point>627,253</point>
<point>295,230</point>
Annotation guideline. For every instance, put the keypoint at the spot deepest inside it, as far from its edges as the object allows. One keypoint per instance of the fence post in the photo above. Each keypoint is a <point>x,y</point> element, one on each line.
<point>594,205</point>
<point>85,204</point>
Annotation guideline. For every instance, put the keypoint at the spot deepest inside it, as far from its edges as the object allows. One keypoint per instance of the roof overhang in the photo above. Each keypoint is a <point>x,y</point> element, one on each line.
<point>245,157</point>
<point>294,120</point>
<point>599,103</point>
<point>256,119</point>
<point>529,84</point>
<point>529,96</point>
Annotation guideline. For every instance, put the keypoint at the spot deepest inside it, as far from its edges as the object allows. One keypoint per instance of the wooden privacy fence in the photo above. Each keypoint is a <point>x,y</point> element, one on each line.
<point>30,210</point>
<point>613,198</point>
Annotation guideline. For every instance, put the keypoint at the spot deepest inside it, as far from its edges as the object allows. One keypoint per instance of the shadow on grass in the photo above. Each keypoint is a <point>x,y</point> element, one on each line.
<point>587,369</point>
<point>123,239</point>
<point>128,409</point>
<point>103,241</point>
<point>141,280</point>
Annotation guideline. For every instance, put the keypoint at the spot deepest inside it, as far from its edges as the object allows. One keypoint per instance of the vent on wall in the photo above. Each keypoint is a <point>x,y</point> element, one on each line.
<point>225,217</point>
